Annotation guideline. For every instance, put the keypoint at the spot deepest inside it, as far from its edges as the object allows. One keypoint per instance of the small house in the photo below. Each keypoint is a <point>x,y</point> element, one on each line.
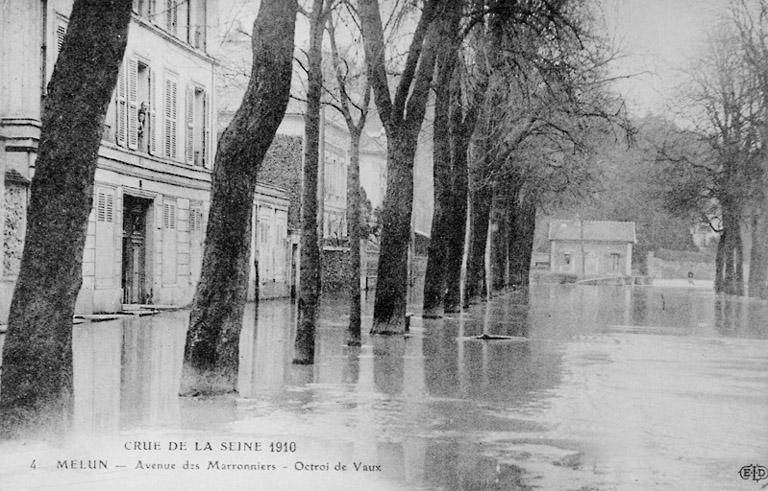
<point>591,248</point>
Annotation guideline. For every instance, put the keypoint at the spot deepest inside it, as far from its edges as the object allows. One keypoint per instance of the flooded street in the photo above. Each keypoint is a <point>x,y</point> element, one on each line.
<point>591,387</point>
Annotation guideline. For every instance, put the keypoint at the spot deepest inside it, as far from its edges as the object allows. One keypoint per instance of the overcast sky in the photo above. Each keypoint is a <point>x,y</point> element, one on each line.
<point>659,38</point>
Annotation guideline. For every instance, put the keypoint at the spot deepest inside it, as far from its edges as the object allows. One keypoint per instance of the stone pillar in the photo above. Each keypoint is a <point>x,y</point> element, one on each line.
<point>21,58</point>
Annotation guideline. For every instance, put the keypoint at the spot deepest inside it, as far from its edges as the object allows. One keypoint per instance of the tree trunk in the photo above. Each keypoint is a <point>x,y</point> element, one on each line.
<point>309,281</point>
<point>738,259</point>
<point>353,224</point>
<point>528,213</point>
<point>479,215</point>
<point>499,243</point>
<point>720,263</point>
<point>402,117</point>
<point>37,354</point>
<point>217,310</point>
<point>457,214</point>
<point>733,275</point>
<point>435,276</point>
<point>758,257</point>
<point>392,271</point>
<point>461,128</point>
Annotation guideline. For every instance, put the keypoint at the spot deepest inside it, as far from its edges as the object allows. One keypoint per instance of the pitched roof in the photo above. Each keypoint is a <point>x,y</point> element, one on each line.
<point>602,231</point>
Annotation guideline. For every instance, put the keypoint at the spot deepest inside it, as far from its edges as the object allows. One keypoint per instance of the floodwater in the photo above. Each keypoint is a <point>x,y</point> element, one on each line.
<point>592,387</point>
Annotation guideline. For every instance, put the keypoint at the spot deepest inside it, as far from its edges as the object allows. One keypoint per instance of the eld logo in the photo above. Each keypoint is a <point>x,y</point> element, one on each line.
<point>754,472</point>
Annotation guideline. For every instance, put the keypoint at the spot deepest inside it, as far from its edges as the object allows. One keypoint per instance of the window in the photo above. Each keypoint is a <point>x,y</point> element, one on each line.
<point>197,128</point>
<point>104,207</point>
<point>195,219</point>
<point>614,263</point>
<point>195,238</point>
<point>169,251</point>
<point>169,216</point>
<point>104,253</point>
<point>146,8</point>
<point>136,119</point>
<point>567,259</point>
<point>171,114</point>
<point>196,22</point>
<point>57,41</point>
<point>335,179</point>
<point>171,15</point>
<point>61,30</point>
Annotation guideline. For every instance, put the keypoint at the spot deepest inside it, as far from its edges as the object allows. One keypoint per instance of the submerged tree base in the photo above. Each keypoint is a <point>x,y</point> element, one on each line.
<point>52,419</point>
<point>392,327</point>
<point>204,383</point>
<point>433,313</point>
<point>354,341</point>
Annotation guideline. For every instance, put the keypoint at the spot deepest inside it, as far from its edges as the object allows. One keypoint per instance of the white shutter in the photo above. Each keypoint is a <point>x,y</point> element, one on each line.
<point>167,117</point>
<point>110,205</point>
<point>61,31</point>
<point>169,251</point>
<point>190,126</point>
<point>153,128</point>
<point>105,236</point>
<point>171,16</point>
<point>195,239</point>
<point>171,114</point>
<point>133,108</point>
<point>174,118</point>
<point>206,132</point>
<point>120,129</point>
<point>101,207</point>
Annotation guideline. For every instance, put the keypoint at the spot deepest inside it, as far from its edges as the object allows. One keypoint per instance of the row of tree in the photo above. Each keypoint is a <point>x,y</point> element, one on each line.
<point>519,95</point>
<point>716,167</point>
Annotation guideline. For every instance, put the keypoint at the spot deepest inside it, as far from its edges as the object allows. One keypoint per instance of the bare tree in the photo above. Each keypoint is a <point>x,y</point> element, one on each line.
<point>402,117</point>
<point>724,104</point>
<point>344,85</point>
<point>752,31</point>
<point>217,310</point>
<point>37,354</point>
<point>447,59</point>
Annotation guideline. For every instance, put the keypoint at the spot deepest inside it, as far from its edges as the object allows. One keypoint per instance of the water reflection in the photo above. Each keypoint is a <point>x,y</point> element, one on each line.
<point>584,372</point>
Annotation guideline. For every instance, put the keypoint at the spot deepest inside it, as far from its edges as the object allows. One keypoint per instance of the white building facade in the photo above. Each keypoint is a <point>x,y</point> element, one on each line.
<point>152,184</point>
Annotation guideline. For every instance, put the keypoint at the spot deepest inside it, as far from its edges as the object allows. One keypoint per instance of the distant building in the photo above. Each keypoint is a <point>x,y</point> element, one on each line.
<point>591,248</point>
<point>703,235</point>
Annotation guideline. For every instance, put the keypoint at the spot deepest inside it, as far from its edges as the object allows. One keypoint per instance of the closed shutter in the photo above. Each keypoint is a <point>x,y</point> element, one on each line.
<point>105,231</point>
<point>120,129</point>
<point>206,131</point>
<point>133,108</point>
<point>169,216</point>
<point>169,242</point>
<point>171,16</point>
<point>190,126</point>
<point>195,239</point>
<point>61,31</point>
<point>153,128</point>
<point>171,113</point>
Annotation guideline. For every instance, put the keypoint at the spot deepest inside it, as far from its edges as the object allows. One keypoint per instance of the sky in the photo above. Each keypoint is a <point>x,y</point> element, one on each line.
<point>658,38</point>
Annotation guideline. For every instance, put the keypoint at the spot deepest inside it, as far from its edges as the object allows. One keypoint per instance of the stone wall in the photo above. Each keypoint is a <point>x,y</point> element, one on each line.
<point>13,242</point>
<point>334,269</point>
<point>282,168</point>
<point>670,269</point>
